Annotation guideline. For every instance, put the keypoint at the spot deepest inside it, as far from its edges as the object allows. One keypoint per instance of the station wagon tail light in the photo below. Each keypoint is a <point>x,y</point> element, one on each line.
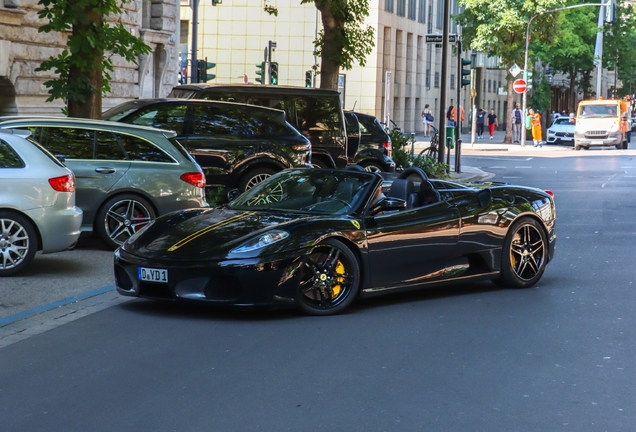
<point>387,147</point>
<point>196,179</point>
<point>64,183</point>
<point>549,192</point>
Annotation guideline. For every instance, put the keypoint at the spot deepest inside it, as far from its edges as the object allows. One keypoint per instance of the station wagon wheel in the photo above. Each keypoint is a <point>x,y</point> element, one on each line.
<point>329,279</point>
<point>121,217</point>
<point>18,243</point>
<point>524,254</point>
<point>254,177</point>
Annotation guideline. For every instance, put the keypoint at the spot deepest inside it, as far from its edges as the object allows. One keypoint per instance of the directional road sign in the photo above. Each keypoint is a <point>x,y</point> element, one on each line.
<point>519,86</point>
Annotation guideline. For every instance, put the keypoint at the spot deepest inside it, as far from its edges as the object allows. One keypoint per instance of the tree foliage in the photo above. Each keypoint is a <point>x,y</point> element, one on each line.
<point>344,38</point>
<point>618,46</point>
<point>83,70</point>
<point>498,29</point>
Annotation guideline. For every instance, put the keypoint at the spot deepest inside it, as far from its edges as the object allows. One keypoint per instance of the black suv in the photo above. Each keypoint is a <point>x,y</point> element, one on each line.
<point>371,142</point>
<point>317,113</point>
<point>236,145</point>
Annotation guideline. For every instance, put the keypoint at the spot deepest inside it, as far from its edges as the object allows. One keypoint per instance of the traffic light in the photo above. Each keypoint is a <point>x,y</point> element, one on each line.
<point>202,70</point>
<point>527,75</point>
<point>610,13</point>
<point>308,78</point>
<point>260,71</point>
<point>273,73</point>
<point>466,72</point>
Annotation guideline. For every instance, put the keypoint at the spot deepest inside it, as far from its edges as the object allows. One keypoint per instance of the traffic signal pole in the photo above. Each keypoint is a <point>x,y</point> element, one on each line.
<point>459,86</point>
<point>194,66</point>
<point>442,96</point>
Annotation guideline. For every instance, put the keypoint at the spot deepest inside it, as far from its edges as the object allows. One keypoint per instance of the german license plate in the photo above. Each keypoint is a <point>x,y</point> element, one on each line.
<point>153,275</point>
<point>596,142</point>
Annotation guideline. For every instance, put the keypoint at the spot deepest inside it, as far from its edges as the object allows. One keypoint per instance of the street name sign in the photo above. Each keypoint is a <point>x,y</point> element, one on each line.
<point>519,86</point>
<point>438,38</point>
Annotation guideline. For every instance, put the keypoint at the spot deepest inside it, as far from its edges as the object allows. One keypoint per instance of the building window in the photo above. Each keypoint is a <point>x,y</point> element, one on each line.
<point>484,86</point>
<point>412,9</point>
<point>421,13</point>
<point>401,7</point>
<point>428,79</point>
<point>452,81</point>
<point>489,88</point>
<point>388,5</point>
<point>436,83</point>
<point>440,14</point>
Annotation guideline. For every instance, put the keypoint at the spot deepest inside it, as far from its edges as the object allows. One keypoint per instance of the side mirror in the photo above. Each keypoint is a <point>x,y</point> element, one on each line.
<point>231,195</point>
<point>388,204</point>
<point>484,197</point>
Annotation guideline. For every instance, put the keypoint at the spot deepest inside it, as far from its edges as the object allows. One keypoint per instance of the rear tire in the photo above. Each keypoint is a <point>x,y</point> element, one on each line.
<point>18,243</point>
<point>122,216</point>
<point>373,167</point>
<point>524,254</point>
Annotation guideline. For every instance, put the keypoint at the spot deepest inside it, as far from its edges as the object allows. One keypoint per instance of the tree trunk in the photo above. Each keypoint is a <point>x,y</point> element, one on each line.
<point>85,91</point>
<point>332,46</point>
<point>508,137</point>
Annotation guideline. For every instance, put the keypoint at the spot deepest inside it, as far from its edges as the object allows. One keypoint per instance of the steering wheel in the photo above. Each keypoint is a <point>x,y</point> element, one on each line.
<point>413,171</point>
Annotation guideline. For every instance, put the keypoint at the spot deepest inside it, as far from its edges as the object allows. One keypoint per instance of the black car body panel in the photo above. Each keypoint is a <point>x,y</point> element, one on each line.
<point>316,113</point>
<point>226,139</point>
<point>208,253</point>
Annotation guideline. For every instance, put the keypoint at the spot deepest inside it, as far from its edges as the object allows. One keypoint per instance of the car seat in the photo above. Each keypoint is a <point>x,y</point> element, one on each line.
<point>404,190</point>
<point>428,194</point>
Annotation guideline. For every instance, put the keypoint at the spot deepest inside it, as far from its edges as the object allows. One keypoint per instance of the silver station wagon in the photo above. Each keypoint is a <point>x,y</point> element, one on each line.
<point>37,203</point>
<point>125,175</point>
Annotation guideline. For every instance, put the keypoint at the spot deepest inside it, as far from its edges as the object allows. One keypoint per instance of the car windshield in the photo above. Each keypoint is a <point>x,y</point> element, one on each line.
<point>562,121</point>
<point>605,110</point>
<point>313,191</point>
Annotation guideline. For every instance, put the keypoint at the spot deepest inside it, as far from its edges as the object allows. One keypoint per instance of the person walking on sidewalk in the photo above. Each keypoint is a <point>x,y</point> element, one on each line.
<point>481,121</point>
<point>536,128</point>
<point>517,124</point>
<point>492,122</point>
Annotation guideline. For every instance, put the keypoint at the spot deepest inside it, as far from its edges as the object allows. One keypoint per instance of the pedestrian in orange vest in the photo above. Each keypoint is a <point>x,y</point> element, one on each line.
<point>536,128</point>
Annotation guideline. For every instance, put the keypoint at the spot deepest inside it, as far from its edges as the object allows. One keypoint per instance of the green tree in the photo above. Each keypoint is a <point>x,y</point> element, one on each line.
<point>83,69</point>
<point>618,46</point>
<point>499,30</point>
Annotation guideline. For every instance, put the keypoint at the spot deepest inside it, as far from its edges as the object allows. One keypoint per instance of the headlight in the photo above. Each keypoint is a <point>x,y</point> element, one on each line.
<point>261,241</point>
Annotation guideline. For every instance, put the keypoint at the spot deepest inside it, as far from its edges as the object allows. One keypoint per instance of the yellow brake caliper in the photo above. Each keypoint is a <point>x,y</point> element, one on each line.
<point>340,271</point>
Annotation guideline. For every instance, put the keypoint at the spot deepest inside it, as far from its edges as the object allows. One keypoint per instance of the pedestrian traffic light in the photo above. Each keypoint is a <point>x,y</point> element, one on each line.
<point>273,73</point>
<point>183,75</point>
<point>202,70</point>
<point>308,78</point>
<point>466,72</point>
<point>260,71</point>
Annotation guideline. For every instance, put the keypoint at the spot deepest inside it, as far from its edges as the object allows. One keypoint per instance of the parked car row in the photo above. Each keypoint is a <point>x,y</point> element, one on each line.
<point>126,175</point>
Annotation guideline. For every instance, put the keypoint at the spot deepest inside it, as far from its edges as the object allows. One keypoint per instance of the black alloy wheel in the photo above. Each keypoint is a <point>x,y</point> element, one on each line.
<point>121,217</point>
<point>329,279</point>
<point>524,254</point>
<point>18,243</point>
<point>372,167</point>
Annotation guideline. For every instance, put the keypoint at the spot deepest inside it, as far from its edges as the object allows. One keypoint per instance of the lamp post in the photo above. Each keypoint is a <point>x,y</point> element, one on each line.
<point>525,61</point>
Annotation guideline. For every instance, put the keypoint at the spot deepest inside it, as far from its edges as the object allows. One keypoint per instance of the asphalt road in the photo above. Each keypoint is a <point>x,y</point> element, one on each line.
<point>559,356</point>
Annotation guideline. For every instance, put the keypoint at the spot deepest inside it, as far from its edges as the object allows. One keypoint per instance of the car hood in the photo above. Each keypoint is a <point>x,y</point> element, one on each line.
<point>202,234</point>
<point>562,128</point>
<point>602,123</point>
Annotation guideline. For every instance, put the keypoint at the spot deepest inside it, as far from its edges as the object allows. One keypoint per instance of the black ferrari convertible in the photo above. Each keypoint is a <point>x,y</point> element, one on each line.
<point>319,238</point>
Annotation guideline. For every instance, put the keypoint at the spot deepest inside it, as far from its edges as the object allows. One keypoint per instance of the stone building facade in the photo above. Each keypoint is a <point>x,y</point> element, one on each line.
<point>23,48</point>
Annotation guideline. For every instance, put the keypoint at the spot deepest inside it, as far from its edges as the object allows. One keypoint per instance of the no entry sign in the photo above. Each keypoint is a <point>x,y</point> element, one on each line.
<point>519,86</point>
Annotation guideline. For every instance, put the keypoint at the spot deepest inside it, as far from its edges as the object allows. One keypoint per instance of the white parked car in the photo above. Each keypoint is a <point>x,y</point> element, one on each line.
<point>37,202</point>
<point>561,131</point>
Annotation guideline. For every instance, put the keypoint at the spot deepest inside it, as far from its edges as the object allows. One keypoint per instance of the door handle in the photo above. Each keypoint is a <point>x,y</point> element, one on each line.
<point>105,170</point>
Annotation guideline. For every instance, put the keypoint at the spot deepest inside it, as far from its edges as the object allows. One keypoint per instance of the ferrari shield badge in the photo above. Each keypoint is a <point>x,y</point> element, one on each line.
<point>356,224</point>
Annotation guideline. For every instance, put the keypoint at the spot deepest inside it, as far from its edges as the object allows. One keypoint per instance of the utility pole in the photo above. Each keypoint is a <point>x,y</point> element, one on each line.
<point>194,76</point>
<point>458,116</point>
<point>442,95</point>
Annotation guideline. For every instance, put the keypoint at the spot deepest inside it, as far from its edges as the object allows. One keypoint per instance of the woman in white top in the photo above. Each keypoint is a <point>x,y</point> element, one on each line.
<point>427,123</point>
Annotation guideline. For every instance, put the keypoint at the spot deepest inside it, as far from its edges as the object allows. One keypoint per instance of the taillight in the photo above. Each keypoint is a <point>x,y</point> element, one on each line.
<point>64,183</point>
<point>387,147</point>
<point>549,192</point>
<point>301,147</point>
<point>196,179</point>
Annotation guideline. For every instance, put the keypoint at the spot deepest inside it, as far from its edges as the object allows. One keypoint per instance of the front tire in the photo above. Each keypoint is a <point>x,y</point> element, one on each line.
<point>524,254</point>
<point>254,177</point>
<point>329,279</point>
<point>372,167</point>
<point>18,243</point>
<point>121,217</point>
